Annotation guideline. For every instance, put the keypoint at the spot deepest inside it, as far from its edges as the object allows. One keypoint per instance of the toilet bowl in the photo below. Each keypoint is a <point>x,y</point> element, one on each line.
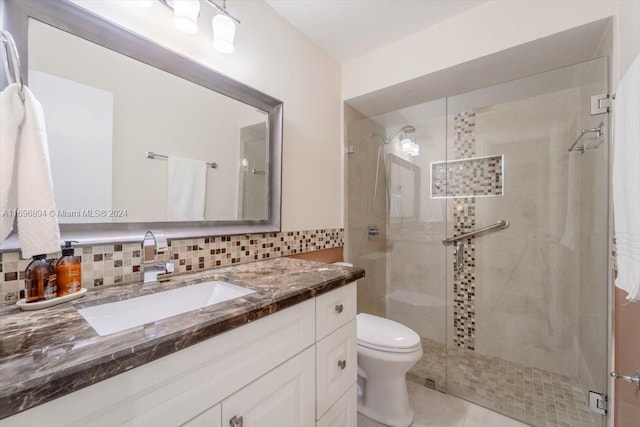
<point>386,351</point>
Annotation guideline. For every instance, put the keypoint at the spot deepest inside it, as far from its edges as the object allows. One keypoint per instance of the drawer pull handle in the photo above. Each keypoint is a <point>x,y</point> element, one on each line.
<point>236,421</point>
<point>342,364</point>
<point>339,308</point>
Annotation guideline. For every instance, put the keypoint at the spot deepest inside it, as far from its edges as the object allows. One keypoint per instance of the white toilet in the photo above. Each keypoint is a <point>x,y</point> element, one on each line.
<point>386,351</point>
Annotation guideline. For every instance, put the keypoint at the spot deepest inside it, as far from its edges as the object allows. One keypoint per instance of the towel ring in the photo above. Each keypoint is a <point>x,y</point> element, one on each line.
<point>12,61</point>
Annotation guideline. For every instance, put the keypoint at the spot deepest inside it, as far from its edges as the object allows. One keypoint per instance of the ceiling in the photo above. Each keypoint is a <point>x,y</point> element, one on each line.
<point>562,49</point>
<point>347,29</point>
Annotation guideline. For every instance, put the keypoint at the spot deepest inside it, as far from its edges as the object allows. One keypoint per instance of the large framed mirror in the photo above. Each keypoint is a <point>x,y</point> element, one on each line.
<point>141,137</point>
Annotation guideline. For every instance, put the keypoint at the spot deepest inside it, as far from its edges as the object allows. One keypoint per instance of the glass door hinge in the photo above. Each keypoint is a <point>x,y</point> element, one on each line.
<point>598,402</point>
<point>600,104</point>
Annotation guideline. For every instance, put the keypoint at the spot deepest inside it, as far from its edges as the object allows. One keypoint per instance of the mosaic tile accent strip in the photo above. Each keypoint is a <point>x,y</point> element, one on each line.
<point>464,282</point>
<point>120,263</point>
<point>531,395</point>
<point>480,176</point>
<point>464,220</point>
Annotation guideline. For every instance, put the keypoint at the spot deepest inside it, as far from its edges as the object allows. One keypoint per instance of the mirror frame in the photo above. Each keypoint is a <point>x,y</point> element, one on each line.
<point>82,23</point>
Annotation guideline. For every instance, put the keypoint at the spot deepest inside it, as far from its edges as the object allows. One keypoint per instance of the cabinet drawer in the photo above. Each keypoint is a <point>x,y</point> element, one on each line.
<point>344,413</point>
<point>337,369</point>
<point>212,417</point>
<point>335,309</point>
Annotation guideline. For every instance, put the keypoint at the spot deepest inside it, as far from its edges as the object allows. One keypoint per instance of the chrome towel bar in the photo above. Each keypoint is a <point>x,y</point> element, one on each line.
<point>500,224</point>
<point>152,155</point>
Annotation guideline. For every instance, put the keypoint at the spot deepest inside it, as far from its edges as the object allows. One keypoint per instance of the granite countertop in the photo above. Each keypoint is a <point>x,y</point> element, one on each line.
<point>48,353</point>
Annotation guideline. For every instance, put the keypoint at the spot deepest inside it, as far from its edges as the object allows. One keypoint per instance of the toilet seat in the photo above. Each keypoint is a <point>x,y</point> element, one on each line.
<point>382,334</point>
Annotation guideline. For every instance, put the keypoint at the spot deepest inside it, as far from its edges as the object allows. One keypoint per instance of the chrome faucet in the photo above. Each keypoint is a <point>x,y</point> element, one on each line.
<point>154,242</point>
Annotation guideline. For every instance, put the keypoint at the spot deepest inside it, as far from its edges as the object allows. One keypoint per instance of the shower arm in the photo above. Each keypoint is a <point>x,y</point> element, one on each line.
<point>599,131</point>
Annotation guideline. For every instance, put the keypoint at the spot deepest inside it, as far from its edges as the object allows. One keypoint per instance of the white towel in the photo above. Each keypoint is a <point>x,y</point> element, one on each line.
<point>186,189</point>
<point>11,116</point>
<point>626,181</point>
<point>30,188</point>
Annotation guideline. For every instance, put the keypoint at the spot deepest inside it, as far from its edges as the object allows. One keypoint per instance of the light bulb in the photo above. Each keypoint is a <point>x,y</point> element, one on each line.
<point>224,29</point>
<point>405,144</point>
<point>415,149</point>
<point>185,15</point>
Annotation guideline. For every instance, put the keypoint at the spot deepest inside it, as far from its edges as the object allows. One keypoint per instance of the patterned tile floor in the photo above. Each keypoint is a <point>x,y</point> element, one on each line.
<point>435,409</point>
<point>531,395</point>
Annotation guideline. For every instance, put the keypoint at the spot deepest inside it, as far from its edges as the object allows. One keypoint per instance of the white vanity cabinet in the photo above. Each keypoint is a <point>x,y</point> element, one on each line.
<point>267,373</point>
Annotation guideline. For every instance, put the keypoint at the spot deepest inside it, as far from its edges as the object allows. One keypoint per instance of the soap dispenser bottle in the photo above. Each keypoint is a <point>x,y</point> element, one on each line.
<point>40,280</point>
<point>68,271</point>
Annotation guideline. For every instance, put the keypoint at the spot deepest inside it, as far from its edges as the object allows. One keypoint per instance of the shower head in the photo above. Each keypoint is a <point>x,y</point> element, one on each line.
<point>386,139</point>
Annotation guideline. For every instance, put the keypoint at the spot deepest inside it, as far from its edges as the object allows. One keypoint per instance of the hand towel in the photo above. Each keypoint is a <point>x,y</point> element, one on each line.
<point>626,181</point>
<point>11,116</point>
<point>38,229</point>
<point>186,189</point>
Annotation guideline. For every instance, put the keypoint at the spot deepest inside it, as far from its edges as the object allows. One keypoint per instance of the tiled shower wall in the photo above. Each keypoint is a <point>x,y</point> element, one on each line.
<point>120,263</point>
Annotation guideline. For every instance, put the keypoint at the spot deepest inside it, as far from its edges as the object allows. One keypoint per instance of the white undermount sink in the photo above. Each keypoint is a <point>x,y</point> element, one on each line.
<point>117,316</point>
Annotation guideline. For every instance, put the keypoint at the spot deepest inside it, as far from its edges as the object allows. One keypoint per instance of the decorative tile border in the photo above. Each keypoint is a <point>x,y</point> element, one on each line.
<point>479,176</point>
<point>464,220</point>
<point>120,263</point>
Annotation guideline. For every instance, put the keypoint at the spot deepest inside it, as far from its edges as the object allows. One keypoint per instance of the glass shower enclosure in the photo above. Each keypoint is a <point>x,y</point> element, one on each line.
<point>513,318</point>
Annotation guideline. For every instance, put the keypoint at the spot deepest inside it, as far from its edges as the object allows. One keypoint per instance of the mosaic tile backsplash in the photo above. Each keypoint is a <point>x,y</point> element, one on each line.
<point>120,263</point>
<point>464,221</point>
<point>480,176</point>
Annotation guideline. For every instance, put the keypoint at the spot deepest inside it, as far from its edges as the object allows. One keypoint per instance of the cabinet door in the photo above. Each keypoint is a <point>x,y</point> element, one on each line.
<point>209,418</point>
<point>283,397</point>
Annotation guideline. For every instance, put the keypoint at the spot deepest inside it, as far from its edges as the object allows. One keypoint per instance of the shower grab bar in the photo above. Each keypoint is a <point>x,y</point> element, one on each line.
<point>599,131</point>
<point>152,155</point>
<point>500,224</point>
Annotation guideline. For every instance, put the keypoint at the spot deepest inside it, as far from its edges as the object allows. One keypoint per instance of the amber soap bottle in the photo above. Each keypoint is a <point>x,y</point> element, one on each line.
<point>40,280</point>
<point>68,271</point>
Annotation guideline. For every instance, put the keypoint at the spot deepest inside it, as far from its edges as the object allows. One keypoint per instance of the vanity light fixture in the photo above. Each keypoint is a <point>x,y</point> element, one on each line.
<point>185,15</point>
<point>405,143</point>
<point>185,19</point>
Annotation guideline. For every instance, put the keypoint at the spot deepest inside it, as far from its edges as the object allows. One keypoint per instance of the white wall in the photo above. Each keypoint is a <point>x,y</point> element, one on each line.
<point>627,44</point>
<point>483,30</point>
<point>277,59</point>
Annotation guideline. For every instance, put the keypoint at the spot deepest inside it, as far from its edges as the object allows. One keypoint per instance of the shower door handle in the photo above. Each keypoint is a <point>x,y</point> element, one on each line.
<point>459,255</point>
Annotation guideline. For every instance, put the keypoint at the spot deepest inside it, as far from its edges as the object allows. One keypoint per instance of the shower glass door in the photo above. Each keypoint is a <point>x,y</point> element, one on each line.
<point>527,326</point>
<point>513,319</point>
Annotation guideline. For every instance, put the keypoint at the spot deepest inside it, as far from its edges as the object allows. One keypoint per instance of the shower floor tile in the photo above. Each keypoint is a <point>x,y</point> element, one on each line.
<point>433,408</point>
<point>532,395</point>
